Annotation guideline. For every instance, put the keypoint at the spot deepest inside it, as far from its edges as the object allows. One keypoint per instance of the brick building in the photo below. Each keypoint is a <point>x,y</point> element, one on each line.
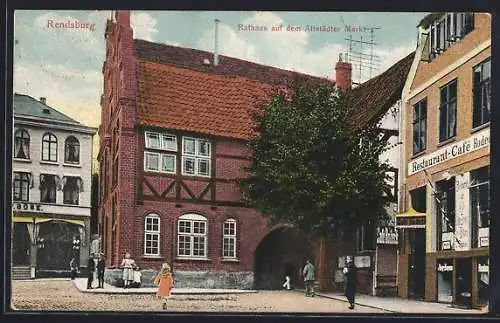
<point>444,202</point>
<point>52,161</point>
<point>175,124</point>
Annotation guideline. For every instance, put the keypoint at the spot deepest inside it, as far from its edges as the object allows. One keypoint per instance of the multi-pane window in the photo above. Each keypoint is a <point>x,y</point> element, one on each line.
<point>161,141</point>
<point>445,207</point>
<point>72,186</point>
<point>22,144</point>
<point>480,205</point>
<point>157,161</point>
<point>229,239</point>
<point>448,111</point>
<point>419,126</point>
<point>21,186</point>
<point>192,236</point>
<point>49,147</point>
<point>48,188</point>
<point>196,154</point>
<point>152,235</point>
<point>482,94</point>
<point>450,28</point>
<point>72,151</point>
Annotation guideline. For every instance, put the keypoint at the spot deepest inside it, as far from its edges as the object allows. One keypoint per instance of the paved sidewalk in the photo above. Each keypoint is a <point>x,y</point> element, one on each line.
<point>81,284</point>
<point>402,305</point>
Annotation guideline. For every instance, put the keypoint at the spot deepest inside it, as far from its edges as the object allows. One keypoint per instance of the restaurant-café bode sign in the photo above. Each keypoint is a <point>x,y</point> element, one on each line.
<point>457,149</point>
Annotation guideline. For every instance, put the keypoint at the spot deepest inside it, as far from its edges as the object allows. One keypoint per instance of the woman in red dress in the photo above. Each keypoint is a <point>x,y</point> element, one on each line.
<point>165,283</point>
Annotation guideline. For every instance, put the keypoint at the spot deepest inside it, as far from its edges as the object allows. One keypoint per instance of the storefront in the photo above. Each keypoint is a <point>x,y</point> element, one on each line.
<point>47,242</point>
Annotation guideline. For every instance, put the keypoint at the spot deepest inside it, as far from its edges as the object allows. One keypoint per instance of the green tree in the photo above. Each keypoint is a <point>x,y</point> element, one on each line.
<point>309,167</point>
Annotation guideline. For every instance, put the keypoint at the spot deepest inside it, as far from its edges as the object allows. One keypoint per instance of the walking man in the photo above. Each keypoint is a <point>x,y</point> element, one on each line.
<point>91,269</point>
<point>309,278</point>
<point>350,281</point>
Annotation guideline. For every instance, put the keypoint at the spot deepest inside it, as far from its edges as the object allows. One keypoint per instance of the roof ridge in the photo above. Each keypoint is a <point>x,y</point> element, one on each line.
<point>47,106</point>
<point>229,59</point>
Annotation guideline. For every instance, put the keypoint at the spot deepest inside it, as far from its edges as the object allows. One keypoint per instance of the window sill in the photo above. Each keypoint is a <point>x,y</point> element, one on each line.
<point>152,257</point>
<point>481,127</point>
<point>234,260</point>
<point>420,153</point>
<point>22,160</point>
<point>193,259</point>
<point>72,165</point>
<point>49,163</point>
<point>446,142</point>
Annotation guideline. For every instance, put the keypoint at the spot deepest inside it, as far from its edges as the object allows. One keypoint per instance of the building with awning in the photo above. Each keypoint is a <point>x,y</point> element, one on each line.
<point>444,190</point>
<point>51,189</point>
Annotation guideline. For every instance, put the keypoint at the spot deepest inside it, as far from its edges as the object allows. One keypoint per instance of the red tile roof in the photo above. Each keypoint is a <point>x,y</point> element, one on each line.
<point>182,99</point>
<point>193,59</point>
<point>177,91</point>
<point>372,99</point>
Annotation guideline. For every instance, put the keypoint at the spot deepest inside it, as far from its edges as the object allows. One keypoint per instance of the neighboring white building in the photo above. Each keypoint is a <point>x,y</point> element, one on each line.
<point>51,188</point>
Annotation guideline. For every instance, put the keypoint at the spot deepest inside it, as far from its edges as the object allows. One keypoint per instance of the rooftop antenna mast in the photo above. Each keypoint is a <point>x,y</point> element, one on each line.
<point>363,57</point>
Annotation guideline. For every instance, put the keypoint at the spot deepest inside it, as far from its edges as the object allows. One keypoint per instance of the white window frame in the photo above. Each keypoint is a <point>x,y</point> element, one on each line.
<point>233,237</point>
<point>197,156</point>
<point>152,232</point>
<point>192,218</point>
<point>161,157</point>
<point>161,143</point>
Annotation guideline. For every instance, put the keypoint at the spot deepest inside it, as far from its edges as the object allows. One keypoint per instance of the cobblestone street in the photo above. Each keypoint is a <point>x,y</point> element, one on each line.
<point>62,295</point>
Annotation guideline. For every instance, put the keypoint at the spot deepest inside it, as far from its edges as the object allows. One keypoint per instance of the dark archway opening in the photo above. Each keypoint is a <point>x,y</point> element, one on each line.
<point>283,252</point>
<point>20,245</point>
<point>56,250</point>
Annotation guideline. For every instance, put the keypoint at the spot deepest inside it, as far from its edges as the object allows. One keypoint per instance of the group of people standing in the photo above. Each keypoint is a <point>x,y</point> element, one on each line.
<point>350,279</point>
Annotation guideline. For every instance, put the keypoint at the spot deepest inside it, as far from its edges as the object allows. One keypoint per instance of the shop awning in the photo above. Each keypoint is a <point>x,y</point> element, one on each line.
<point>31,219</point>
<point>410,212</point>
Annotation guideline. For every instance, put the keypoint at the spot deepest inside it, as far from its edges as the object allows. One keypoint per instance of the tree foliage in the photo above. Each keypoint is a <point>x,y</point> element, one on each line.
<point>309,167</point>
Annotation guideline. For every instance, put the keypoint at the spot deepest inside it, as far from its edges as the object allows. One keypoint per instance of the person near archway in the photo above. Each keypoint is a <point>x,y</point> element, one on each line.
<point>350,273</point>
<point>101,267</point>
<point>309,278</point>
<point>90,271</point>
<point>165,282</point>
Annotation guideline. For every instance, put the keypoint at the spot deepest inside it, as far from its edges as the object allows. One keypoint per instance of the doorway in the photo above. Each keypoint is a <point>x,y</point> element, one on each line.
<point>283,252</point>
<point>56,251</point>
<point>20,245</point>
<point>416,275</point>
<point>463,295</point>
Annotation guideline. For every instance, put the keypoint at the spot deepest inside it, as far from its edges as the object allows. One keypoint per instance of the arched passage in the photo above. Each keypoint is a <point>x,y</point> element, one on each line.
<point>283,252</point>
<point>55,252</point>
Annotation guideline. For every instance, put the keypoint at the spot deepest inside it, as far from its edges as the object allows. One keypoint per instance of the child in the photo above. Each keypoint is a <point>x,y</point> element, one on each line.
<point>137,278</point>
<point>165,282</point>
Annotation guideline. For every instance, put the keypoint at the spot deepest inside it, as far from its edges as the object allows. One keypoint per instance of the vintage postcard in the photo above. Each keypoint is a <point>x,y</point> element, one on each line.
<point>259,162</point>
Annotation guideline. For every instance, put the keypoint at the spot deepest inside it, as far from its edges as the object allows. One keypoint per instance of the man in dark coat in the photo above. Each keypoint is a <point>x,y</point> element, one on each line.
<point>350,281</point>
<point>100,271</point>
<point>91,269</point>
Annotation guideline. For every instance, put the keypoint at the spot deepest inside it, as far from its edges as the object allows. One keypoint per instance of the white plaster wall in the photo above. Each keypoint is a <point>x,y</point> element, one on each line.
<point>37,167</point>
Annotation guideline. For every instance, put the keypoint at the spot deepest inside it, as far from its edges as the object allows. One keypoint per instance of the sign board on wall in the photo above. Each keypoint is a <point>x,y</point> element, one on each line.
<point>362,261</point>
<point>484,237</point>
<point>451,151</point>
<point>27,206</point>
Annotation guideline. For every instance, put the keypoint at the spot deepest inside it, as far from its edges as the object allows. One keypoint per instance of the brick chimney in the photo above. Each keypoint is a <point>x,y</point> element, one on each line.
<point>343,74</point>
<point>123,17</point>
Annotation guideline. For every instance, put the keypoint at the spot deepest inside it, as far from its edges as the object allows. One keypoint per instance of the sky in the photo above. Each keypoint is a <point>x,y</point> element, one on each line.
<point>65,64</point>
